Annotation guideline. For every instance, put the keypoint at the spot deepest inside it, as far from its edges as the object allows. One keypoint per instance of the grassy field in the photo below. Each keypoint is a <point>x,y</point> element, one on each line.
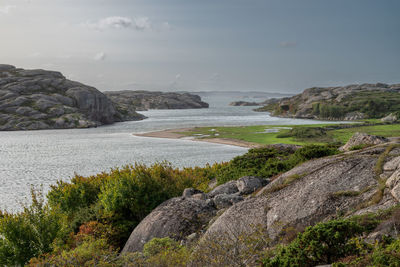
<point>270,134</point>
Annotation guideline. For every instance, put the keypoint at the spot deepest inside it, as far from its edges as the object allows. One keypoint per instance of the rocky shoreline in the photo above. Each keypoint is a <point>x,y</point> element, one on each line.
<point>40,99</point>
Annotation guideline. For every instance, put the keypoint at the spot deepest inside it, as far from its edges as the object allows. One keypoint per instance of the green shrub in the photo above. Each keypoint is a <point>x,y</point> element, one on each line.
<point>358,147</point>
<point>261,162</point>
<point>164,252</point>
<point>323,243</point>
<point>78,194</point>
<point>29,233</point>
<point>91,252</point>
<point>123,197</point>
<point>269,161</point>
<point>158,245</point>
<point>379,254</point>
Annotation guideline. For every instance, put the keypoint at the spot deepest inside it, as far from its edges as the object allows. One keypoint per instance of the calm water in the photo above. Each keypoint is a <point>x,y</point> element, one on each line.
<point>43,157</point>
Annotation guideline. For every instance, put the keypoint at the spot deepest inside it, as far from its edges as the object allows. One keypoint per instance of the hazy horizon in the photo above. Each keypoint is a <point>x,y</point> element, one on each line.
<point>228,45</point>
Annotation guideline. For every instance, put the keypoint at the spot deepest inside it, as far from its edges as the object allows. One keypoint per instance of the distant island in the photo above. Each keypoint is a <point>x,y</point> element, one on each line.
<point>41,99</point>
<point>352,102</point>
<point>245,103</point>
<point>127,100</point>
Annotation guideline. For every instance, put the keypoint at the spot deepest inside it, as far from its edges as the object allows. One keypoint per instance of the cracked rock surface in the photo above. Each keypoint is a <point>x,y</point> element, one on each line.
<point>40,99</point>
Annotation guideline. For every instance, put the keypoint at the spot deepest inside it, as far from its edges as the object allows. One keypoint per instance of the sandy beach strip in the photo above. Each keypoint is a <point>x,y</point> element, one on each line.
<point>177,134</point>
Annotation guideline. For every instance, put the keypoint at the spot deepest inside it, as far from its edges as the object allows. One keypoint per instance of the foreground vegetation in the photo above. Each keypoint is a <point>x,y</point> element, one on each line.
<point>296,134</point>
<point>87,221</point>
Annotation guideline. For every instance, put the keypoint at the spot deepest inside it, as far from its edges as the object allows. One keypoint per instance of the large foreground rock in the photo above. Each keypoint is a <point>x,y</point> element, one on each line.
<point>39,99</point>
<point>312,192</point>
<point>190,214</point>
<point>175,218</point>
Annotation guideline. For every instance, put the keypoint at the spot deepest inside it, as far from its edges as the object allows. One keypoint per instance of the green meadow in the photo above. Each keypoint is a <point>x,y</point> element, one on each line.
<point>293,134</point>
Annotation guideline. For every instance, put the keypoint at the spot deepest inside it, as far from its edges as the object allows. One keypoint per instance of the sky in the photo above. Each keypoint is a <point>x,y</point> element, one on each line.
<point>203,45</point>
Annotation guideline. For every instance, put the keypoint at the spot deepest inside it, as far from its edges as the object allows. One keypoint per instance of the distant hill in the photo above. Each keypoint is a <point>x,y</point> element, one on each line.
<point>224,98</point>
<point>128,101</point>
<point>350,102</point>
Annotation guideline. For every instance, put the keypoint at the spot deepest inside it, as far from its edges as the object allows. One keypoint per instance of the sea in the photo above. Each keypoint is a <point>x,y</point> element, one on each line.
<point>41,158</point>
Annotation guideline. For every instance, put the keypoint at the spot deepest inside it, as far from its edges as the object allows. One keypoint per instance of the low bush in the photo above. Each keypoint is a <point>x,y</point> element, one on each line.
<point>29,233</point>
<point>323,243</point>
<point>123,197</point>
<point>269,161</point>
<point>91,252</point>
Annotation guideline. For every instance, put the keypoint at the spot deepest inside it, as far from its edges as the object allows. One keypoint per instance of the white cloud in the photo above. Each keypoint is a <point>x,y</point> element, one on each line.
<point>166,26</point>
<point>116,22</point>
<point>100,56</point>
<point>142,23</point>
<point>178,76</point>
<point>287,44</point>
<point>6,9</point>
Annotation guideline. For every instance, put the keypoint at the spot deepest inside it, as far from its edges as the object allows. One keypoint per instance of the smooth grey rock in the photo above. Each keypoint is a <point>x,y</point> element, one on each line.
<point>25,111</point>
<point>363,139</point>
<point>353,116</point>
<point>249,184</point>
<point>387,228</point>
<point>224,201</point>
<point>5,67</point>
<point>176,218</point>
<point>189,192</point>
<point>396,192</point>
<point>200,196</point>
<point>392,165</point>
<point>227,188</point>
<point>390,118</point>
<point>393,180</point>
<point>56,111</point>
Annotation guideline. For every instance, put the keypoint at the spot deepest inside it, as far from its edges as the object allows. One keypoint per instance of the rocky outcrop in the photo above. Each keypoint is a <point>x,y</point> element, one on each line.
<point>390,118</point>
<point>39,99</point>
<point>318,190</point>
<point>352,102</point>
<point>127,100</point>
<point>362,139</point>
<point>176,218</point>
<point>182,217</point>
<point>393,181</point>
<point>312,192</point>
<point>353,116</point>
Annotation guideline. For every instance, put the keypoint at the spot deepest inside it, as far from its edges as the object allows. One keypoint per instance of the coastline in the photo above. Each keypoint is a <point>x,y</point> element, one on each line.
<point>177,134</point>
